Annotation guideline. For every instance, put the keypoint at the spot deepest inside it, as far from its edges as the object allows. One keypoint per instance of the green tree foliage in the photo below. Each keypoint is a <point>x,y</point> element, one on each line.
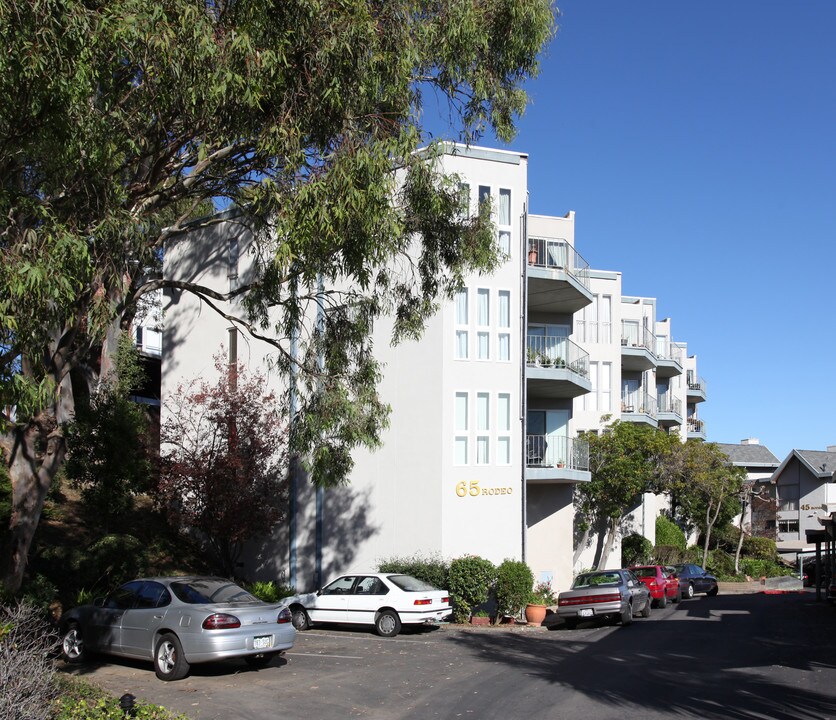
<point>636,549</point>
<point>706,487</point>
<point>108,455</point>
<point>431,569</point>
<point>626,461</point>
<point>123,120</point>
<point>471,579</point>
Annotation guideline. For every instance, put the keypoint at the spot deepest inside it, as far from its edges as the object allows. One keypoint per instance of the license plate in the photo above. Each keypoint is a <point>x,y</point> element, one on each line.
<point>586,612</point>
<point>262,642</point>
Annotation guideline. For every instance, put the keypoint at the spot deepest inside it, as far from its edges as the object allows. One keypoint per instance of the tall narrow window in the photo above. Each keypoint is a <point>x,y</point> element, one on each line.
<point>605,319</point>
<point>504,220</point>
<point>464,199</point>
<point>461,427</point>
<point>504,338</point>
<point>462,324</point>
<point>232,358</point>
<point>503,429</point>
<point>483,320</point>
<point>590,400</point>
<point>484,194</point>
<point>605,384</point>
<point>483,426</point>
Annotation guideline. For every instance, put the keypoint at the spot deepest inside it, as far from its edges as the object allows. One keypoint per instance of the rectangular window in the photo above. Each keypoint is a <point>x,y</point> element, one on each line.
<point>605,319</point>
<point>604,385</point>
<point>483,345</point>
<point>464,199</point>
<point>787,497</point>
<point>483,307</point>
<point>461,344</point>
<point>503,450</point>
<point>590,400</point>
<point>504,207</point>
<point>788,526</point>
<point>461,412</point>
<point>484,194</point>
<point>503,412</point>
<point>483,456</point>
<point>504,340</point>
<point>483,421</point>
<point>504,308</point>
<point>462,324</point>
<point>505,241</point>
<point>462,317</point>
<point>461,450</point>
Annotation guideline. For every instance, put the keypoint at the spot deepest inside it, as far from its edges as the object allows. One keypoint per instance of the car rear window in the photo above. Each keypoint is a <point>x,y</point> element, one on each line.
<point>596,579</point>
<point>644,571</point>
<point>410,584</point>
<point>210,590</point>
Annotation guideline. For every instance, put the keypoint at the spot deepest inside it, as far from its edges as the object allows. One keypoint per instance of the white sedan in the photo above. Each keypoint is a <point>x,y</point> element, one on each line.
<point>385,600</point>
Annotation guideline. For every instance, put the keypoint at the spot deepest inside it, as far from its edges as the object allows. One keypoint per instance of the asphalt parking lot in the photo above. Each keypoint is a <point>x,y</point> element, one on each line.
<point>731,656</point>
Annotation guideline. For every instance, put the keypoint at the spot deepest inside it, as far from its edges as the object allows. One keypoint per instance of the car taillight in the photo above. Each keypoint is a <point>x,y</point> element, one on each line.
<point>285,616</point>
<point>652,584</point>
<point>221,621</point>
<point>445,600</point>
<point>589,599</point>
<point>423,602</point>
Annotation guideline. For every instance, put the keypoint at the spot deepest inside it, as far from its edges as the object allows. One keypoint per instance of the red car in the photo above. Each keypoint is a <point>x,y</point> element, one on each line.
<point>662,583</point>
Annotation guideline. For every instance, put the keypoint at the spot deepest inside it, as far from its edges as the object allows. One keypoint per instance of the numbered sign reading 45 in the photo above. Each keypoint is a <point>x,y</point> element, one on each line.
<point>472,489</point>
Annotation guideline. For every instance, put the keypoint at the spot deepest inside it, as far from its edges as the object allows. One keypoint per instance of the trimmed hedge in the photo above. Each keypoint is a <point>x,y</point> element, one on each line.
<point>636,550</point>
<point>431,569</point>
<point>471,579</point>
<point>669,533</point>
<point>514,580</point>
<point>759,548</point>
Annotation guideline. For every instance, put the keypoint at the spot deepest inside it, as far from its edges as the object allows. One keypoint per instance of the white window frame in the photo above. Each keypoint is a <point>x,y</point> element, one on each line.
<point>461,350</point>
<point>504,228</point>
<point>483,329</point>
<point>482,421</point>
<point>503,429</point>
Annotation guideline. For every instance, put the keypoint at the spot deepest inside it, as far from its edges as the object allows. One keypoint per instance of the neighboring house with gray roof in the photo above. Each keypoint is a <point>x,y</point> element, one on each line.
<point>805,491</point>
<point>759,463</point>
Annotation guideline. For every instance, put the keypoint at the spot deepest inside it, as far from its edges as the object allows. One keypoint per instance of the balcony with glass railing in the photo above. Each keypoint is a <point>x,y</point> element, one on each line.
<point>668,411</point>
<point>558,277</point>
<point>638,345</point>
<point>556,367</point>
<point>669,358</point>
<point>696,428</point>
<point>639,407</point>
<point>556,459</point>
<point>696,389</point>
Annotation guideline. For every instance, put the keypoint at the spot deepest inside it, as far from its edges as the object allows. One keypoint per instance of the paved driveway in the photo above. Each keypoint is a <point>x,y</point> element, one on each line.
<point>741,656</point>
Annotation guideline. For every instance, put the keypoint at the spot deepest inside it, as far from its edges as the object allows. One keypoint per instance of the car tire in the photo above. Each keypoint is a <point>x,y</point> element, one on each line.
<point>645,613</point>
<point>169,661</point>
<point>72,644</point>
<point>689,591</point>
<point>662,602</point>
<point>299,618</point>
<point>627,616</point>
<point>714,590</point>
<point>387,623</point>
<point>571,623</point>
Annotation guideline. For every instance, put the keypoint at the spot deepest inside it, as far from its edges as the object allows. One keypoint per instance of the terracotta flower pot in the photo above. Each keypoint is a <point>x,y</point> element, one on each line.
<point>535,614</point>
<point>480,620</point>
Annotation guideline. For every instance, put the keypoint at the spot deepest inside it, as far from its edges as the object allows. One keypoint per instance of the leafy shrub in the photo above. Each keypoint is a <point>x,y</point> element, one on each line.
<point>669,533</point>
<point>26,668</point>
<point>542,594</point>
<point>720,563</point>
<point>693,554</point>
<point>513,586</point>
<point>39,592</point>
<point>763,568</point>
<point>471,578</point>
<point>667,554</point>
<point>432,569</point>
<point>636,550</point>
<point>269,592</point>
<point>760,548</point>
<point>108,709</point>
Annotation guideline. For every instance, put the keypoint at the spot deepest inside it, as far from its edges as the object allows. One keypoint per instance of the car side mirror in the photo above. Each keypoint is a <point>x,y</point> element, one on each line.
<point>319,592</point>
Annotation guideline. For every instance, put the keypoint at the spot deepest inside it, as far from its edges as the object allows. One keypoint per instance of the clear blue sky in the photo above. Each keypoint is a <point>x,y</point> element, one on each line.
<point>697,144</point>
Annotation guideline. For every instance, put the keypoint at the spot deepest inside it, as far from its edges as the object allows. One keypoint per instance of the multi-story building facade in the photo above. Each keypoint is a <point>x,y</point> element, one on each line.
<point>483,452</point>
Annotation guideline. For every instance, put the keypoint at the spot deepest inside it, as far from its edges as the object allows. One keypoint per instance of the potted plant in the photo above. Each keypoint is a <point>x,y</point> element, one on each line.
<point>539,600</point>
<point>480,617</point>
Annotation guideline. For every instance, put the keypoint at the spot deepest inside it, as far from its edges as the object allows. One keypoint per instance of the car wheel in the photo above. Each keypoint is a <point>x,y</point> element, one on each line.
<point>689,591</point>
<point>645,613</point>
<point>300,618</point>
<point>257,661</point>
<point>72,645</point>
<point>714,590</point>
<point>169,661</point>
<point>570,623</point>
<point>662,602</point>
<point>627,616</point>
<point>387,624</point>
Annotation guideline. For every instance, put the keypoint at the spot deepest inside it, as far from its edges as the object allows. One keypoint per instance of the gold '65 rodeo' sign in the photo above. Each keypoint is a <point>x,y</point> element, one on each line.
<point>472,489</point>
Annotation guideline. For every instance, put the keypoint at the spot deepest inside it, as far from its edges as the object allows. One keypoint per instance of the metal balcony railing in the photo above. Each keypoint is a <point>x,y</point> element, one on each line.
<point>634,335</point>
<point>556,352</point>
<point>641,402</point>
<point>667,404</point>
<point>558,255</point>
<point>557,452</point>
<point>697,384</point>
<point>695,425</point>
<point>666,350</point>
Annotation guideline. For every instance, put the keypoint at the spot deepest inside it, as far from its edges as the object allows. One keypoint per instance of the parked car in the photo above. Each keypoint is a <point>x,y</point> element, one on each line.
<point>604,594</point>
<point>694,579</point>
<point>662,584</point>
<point>176,622</point>
<point>385,600</point>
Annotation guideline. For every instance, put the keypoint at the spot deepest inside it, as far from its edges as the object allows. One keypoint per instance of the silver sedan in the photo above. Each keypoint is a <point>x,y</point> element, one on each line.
<point>610,594</point>
<point>176,622</point>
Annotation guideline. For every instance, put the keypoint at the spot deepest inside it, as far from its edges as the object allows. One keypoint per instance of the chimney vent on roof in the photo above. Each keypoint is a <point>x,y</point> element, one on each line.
<point>750,441</point>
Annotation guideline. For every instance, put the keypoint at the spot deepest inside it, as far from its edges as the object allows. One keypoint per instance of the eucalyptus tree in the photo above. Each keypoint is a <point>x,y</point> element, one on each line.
<point>123,121</point>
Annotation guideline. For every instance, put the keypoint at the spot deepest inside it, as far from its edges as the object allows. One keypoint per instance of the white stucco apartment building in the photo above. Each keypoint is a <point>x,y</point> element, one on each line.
<point>482,454</point>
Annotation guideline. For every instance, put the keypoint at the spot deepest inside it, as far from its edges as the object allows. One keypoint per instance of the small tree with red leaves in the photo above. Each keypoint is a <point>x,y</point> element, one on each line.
<point>223,449</point>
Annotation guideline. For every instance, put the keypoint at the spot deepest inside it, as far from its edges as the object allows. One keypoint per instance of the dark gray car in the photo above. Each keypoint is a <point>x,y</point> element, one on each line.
<point>694,579</point>
<point>604,594</point>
